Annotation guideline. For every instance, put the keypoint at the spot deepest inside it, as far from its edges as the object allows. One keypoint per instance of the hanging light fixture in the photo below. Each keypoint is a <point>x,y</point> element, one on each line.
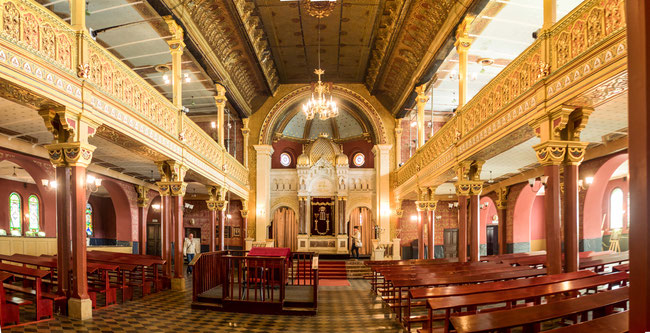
<point>321,101</point>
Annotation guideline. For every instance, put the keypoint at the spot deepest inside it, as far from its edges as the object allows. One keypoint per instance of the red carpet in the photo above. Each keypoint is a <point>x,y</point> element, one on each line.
<point>330,270</point>
<point>333,283</point>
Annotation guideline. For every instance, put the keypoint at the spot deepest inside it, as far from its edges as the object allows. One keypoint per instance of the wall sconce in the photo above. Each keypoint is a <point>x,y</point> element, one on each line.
<point>453,205</point>
<point>93,183</point>
<point>584,184</point>
<point>213,124</point>
<point>189,206</point>
<point>438,217</point>
<point>49,184</point>
<point>155,206</point>
<point>414,218</point>
<point>485,205</point>
<point>228,216</point>
<point>542,179</point>
<point>260,211</point>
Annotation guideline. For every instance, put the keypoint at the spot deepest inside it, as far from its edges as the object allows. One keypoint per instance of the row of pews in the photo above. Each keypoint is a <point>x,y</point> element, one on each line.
<point>504,292</point>
<point>32,281</point>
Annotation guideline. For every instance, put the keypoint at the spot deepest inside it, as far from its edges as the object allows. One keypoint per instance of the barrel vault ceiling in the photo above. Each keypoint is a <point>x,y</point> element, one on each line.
<point>386,44</point>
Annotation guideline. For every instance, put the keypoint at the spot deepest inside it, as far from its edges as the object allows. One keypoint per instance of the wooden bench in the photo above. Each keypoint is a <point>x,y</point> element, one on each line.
<point>510,297</point>
<point>44,306</point>
<point>613,323</point>
<point>428,293</point>
<point>531,317</point>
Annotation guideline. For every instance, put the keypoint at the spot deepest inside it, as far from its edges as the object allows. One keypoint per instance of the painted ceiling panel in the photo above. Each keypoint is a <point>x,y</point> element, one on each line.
<point>319,126</point>
<point>296,126</point>
<point>348,126</point>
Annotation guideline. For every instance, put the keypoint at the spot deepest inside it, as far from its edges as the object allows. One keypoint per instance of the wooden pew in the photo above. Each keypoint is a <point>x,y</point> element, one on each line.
<point>429,293</point>
<point>613,323</point>
<point>621,268</point>
<point>9,313</point>
<point>44,305</point>
<point>153,262</point>
<point>511,296</point>
<point>531,317</point>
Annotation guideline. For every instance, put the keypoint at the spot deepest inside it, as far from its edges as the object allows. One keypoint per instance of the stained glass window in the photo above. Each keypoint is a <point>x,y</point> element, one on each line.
<point>15,212</point>
<point>34,215</point>
<point>359,159</point>
<point>285,159</point>
<point>89,219</point>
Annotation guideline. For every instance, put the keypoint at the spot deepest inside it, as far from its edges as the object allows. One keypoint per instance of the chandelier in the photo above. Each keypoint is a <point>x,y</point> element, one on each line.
<point>321,101</point>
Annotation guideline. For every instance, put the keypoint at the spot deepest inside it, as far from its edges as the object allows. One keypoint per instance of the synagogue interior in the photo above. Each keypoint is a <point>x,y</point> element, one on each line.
<point>324,166</point>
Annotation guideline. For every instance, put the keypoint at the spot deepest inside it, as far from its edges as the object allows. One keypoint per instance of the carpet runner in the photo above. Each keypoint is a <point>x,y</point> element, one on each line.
<point>332,270</point>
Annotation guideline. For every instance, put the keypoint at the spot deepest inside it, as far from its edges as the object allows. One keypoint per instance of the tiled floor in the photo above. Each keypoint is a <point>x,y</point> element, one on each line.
<point>340,309</point>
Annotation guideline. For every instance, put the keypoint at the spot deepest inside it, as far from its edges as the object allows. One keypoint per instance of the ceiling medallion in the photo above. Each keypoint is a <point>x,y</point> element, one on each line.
<point>319,8</point>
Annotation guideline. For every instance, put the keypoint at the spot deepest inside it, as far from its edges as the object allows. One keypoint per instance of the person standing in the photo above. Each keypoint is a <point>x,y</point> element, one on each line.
<point>356,242</point>
<point>191,247</point>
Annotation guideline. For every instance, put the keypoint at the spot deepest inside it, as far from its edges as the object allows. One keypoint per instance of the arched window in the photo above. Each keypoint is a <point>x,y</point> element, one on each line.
<point>34,214</point>
<point>616,211</point>
<point>89,219</point>
<point>15,212</point>
<point>285,159</point>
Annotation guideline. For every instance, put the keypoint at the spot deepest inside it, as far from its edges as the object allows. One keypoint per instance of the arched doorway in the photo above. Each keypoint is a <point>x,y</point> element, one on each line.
<point>489,232</point>
<point>362,217</point>
<point>284,226</point>
<point>528,232</point>
<point>154,235</point>
<point>598,212</point>
<point>111,217</point>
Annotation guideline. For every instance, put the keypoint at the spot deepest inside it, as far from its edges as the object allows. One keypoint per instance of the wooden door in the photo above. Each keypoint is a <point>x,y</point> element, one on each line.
<point>492,237</point>
<point>153,239</point>
<point>451,243</point>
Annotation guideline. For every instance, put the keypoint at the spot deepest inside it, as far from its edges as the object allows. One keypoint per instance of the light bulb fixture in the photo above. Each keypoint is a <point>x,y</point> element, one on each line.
<point>228,216</point>
<point>414,218</point>
<point>438,217</point>
<point>414,123</point>
<point>542,180</point>
<point>490,181</point>
<point>213,124</point>
<point>155,206</point>
<point>321,101</point>
<point>93,183</point>
<point>54,184</point>
<point>589,180</point>
<point>187,78</point>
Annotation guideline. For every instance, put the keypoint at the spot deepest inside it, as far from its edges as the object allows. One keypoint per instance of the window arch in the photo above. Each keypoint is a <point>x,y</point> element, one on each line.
<point>33,205</point>
<point>15,212</point>
<point>616,210</point>
<point>89,219</point>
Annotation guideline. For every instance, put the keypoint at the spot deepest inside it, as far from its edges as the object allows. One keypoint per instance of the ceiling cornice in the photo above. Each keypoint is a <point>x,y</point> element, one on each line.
<point>222,36</point>
<point>422,28</point>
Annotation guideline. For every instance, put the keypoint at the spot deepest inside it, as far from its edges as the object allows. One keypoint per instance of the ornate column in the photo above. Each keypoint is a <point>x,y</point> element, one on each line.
<point>176,46</point>
<point>382,190</point>
<point>78,14</point>
<point>501,206</point>
<point>398,142</point>
<point>550,13</point>
<point>222,205</point>
<point>431,207</point>
<point>263,191</point>
<point>172,174</point>
<point>638,41</point>
<point>165,230</point>
<point>463,43</point>
<point>475,222</point>
<point>244,223</point>
<point>142,218</point>
<point>71,154</point>
<point>212,207</point>
<point>422,206</point>
<point>420,103</point>
<point>220,100</point>
<point>468,184</point>
<point>245,131</point>
<point>553,132</point>
<point>301,215</point>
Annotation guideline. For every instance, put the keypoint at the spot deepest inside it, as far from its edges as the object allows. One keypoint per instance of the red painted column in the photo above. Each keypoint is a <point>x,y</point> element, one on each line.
<point>213,229</point>
<point>638,41</point>
<point>142,226</point>
<point>474,230</point>
<point>422,218</point>
<point>503,233</point>
<point>166,225</point>
<point>462,228</point>
<point>571,257</point>
<point>78,193</point>
<point>430,236</point>
<point>178,234</point>
<point>552,215</point>
<point>63,224</point>
<point>222,229</point>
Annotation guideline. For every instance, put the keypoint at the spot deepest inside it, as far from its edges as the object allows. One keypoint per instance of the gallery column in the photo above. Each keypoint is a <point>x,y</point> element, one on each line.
<point>220,100</point>
<point>420,103</point>
<point>245,131</point>
<point>431,207</point>
<point>172,174</point>
<point>222,205</point>
<point>501,205</point>
<point>398,142</point>
<point>422,207</point>
<point>71,154</point>
<point>382,190</point>
<point>176,46</point>
<point>468,184</point>
<point>244,223</point>
<point>212,207</point>
<point>142,218</point>
<point>463,43</point>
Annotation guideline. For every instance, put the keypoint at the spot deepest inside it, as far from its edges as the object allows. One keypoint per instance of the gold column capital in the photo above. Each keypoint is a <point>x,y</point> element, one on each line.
<point>70,154</point>
<point>422,206</point>
<point>175,43</point>
<point>174,189</point>
<point>431,205</point>
<point>171,171</point>
<point>551,152</point>
<point>468,187</point>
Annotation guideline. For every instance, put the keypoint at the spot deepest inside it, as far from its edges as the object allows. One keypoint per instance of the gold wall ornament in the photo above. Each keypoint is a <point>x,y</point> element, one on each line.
<point>319,9</point>
<point>142,192</point>
<point>502,198</point>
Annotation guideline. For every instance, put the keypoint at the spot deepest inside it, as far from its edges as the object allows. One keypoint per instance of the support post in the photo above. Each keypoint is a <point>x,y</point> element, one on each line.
<point>421,102</point>
<point>462,228</point>
<point>142,218</point>
<point>244,223</point>
<point>220,101</point>
<point>475,226</point>
<point>638,41</point>
<point>222,205</point>
<point>463,43</point>
<point>431,207</point>
<point>382,188</point>
<point>550,13</point>
<point>501,206</point>
<point>422,220</point>
<point>398,142</point>
<point>245,131</point>
<point>263,191</point>
<point>176,46</point>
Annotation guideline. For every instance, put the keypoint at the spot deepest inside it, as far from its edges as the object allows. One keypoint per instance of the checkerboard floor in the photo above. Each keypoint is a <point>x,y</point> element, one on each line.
<point>340,309</point>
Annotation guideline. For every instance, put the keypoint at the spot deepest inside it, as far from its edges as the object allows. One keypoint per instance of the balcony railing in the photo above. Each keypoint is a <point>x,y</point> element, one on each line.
<point>44,48</point>
<point>503,100</point>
